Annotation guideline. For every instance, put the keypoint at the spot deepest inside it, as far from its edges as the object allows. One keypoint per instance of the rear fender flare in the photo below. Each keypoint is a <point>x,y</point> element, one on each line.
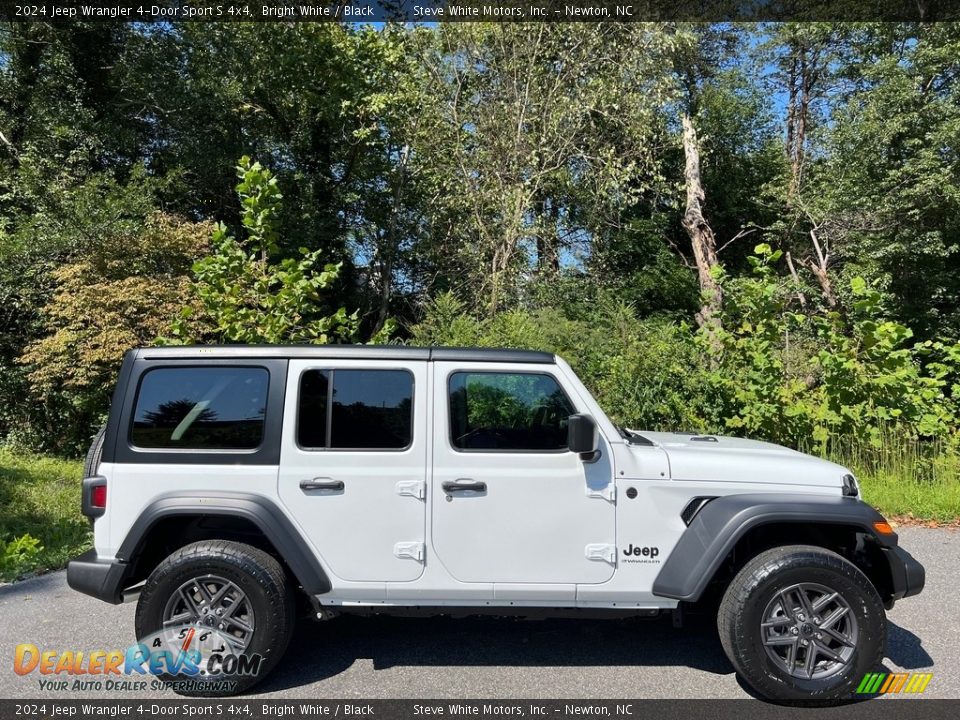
<point>262,513</point>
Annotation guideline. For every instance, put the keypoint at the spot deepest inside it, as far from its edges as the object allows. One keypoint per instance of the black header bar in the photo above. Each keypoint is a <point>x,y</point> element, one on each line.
<point>253,708</point>
<point>434,11</point>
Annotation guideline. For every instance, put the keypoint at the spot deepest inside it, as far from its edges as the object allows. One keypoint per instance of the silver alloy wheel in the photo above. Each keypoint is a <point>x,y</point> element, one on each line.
<point>214,603</point>
<point>809,631</point>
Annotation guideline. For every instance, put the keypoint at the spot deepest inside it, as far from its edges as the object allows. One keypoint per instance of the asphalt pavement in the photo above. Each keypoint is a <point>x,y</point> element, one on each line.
<point>370,658</point>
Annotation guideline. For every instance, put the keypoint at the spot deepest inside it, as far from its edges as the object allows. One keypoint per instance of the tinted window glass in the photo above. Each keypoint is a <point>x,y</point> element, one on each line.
<point>312,414</point>
<point>508,411</point>
<point>211,408</point>
<point>365,409</point>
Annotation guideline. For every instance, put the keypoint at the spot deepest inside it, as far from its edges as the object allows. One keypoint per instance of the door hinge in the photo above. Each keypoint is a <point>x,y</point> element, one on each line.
<point>607,492</point>
<point>413,488</point>
<point>412,550</point>
<point>602,551</point>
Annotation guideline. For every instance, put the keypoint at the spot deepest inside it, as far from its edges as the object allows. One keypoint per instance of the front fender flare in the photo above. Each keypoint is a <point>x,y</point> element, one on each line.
<point>715,530</point>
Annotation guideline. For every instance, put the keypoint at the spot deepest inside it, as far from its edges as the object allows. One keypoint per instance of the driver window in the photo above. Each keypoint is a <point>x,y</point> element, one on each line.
<point>508,412</point>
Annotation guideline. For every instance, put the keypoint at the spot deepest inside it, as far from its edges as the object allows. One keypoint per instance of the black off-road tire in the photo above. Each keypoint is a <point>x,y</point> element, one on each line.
<point>760,580</point>
<point>92,461</point>
<point>262,579</point>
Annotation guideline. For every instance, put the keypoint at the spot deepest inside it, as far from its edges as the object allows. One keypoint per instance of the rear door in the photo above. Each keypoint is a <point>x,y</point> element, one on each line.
<point>353,464</point>
<point>511,503</point>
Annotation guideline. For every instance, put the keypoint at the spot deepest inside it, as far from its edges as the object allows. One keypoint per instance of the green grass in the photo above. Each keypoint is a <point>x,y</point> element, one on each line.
<point>40,497</point>
<point>905,478</point>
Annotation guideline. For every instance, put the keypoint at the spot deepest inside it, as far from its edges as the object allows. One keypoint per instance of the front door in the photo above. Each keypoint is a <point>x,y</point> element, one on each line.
<point>511,504</point>
<point>353,464</point>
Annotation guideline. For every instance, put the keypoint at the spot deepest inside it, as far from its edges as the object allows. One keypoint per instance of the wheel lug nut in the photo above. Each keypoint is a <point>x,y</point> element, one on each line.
<point>219,611</point>
<point>220,626</point>
<point>803,642</point>
<point>800,617</point>
<point>819,636</point>
<point>794,631</point>
<point>816,620</point>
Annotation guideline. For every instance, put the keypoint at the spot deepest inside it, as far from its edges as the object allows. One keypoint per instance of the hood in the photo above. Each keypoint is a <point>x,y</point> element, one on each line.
<point>730,459</point>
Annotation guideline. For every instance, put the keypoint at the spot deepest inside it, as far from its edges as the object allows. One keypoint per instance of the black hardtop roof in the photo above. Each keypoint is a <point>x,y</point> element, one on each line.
<point>371,352</point>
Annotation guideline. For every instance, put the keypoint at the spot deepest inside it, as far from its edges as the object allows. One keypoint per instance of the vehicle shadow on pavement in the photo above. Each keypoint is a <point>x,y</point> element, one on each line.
<point>322,650</point>
<point>905,649</point>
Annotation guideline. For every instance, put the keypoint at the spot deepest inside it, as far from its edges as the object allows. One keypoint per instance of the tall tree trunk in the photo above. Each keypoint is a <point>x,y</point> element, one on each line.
<point>702,240</point>
<point>548,243</point>
<point>801,83</point>
<point>805,74</point>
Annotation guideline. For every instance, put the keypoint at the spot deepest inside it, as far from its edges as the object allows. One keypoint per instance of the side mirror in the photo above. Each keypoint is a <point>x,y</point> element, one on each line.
<point>582,434</point>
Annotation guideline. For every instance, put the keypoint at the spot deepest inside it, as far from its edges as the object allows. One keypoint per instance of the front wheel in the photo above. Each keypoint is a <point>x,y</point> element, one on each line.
<point>214,618</point>
<point>802,623</point>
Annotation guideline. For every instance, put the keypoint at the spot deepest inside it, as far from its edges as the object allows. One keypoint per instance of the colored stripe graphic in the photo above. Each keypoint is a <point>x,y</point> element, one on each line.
<point>898,685</point>
<point>889,683</point>
<point>865,684</point>
<point>918,683</point>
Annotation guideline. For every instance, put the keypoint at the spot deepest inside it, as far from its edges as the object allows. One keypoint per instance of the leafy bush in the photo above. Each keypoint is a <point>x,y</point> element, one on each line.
<point>246,298</point>
<point>17,555</point>
<point>645,373</point>
<point>793,377</point>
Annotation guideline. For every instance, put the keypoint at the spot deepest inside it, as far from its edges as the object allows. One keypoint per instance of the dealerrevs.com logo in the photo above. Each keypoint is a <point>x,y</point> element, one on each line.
<point>180,658</point>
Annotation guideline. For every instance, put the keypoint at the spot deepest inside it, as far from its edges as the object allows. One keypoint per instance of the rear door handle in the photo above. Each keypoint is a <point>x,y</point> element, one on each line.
<point>321,484</point>
<point>463,486</point>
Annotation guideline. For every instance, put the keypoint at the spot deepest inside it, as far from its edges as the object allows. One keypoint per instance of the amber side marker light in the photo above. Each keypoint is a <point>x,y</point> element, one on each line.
<point>883,528</point>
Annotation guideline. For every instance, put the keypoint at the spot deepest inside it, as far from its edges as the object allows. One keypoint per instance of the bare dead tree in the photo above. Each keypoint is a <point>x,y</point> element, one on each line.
<point>702,239</point>
<point>818,265</point>
<point>796,280</point>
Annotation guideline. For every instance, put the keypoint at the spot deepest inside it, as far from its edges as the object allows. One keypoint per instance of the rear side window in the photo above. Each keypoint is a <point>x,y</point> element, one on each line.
<point>355,410</point>
<point>508,411</point>
<point>201,408</point>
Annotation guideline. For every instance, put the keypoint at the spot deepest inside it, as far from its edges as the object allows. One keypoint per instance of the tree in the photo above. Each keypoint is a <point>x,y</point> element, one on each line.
<point>806,56</point>
<point>244,297</point>
<point>105,303</point>
<point>702,239</point>
<point>535,140</point>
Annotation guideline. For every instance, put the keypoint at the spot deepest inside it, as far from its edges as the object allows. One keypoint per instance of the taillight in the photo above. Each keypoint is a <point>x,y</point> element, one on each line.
<point>98,496</point>
<point>93,496</point>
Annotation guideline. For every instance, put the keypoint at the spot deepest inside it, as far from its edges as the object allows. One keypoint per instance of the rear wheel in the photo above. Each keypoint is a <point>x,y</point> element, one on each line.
<point>802,623</point>
<point>222,611</point>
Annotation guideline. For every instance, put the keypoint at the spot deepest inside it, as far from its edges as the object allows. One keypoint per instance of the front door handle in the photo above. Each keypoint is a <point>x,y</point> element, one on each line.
<point>463,486</point>
<point>321,484</point>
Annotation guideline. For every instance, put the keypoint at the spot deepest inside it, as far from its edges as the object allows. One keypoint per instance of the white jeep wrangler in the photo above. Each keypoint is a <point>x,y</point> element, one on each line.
<point>233,483</point>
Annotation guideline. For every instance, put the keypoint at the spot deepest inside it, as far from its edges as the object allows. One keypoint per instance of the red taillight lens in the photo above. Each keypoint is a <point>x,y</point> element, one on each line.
<point>98,496</point>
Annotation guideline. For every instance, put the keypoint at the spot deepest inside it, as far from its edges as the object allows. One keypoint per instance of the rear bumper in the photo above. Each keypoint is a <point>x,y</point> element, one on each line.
<point>907,574</point>
<point>102,579</point>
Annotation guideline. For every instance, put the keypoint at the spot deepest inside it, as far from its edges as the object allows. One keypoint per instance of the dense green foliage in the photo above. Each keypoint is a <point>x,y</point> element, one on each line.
<point>243,296</point>
<point>494,184</point>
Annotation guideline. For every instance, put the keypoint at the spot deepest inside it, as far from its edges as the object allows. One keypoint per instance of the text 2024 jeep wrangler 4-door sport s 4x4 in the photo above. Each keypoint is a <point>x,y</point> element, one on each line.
<point>233,484</point>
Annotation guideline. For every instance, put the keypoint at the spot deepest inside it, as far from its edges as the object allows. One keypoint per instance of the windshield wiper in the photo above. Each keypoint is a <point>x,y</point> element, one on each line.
<point>632,437</point>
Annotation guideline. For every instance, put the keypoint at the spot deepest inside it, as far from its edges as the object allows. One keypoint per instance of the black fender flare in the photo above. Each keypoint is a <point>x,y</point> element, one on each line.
<point>715,530</point>
<point>264,514</point>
